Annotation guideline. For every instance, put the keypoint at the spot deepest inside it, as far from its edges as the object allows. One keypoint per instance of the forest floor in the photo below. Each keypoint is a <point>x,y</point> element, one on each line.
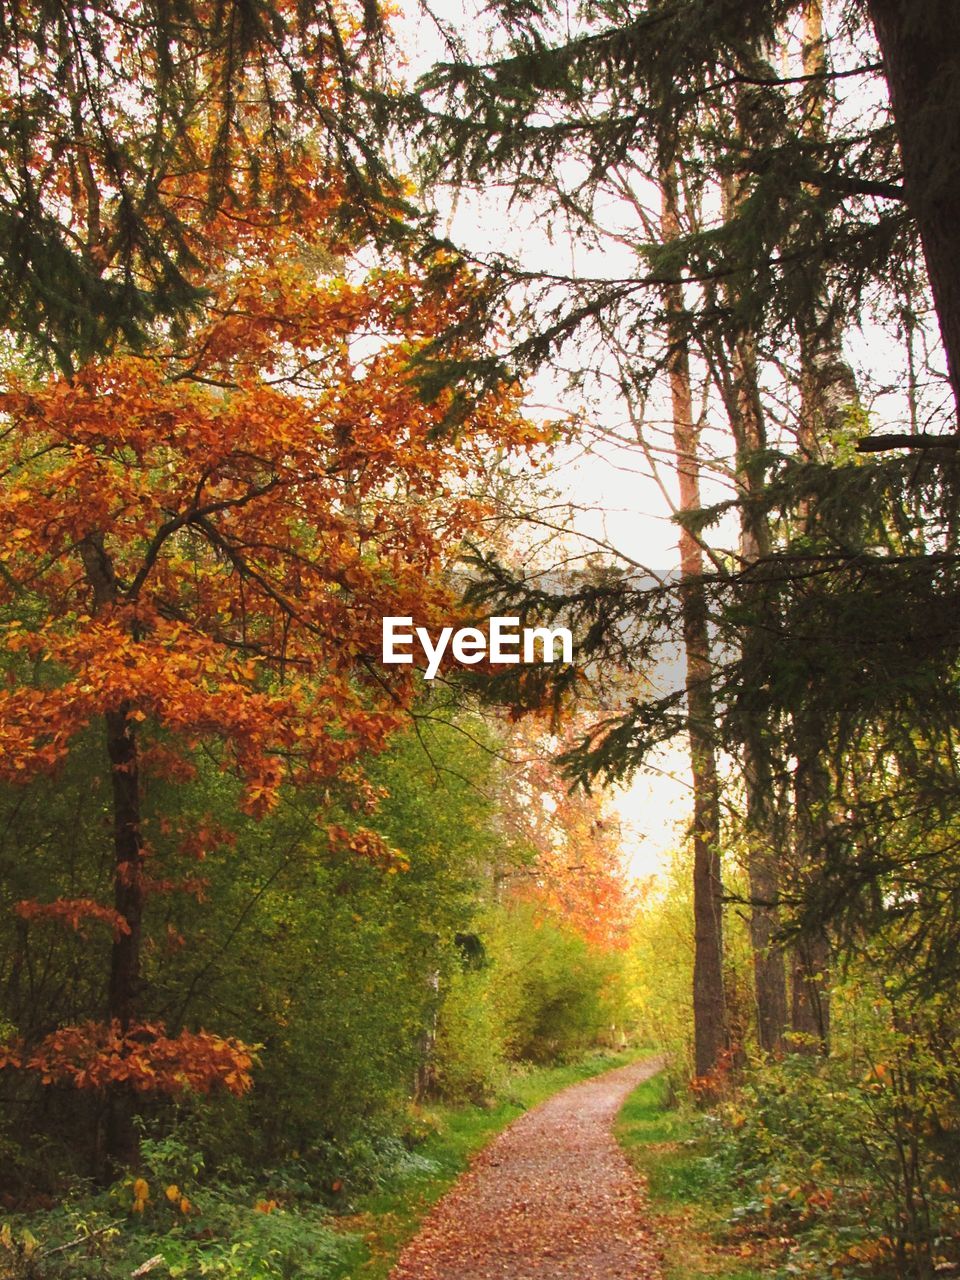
<point>552,1196</point>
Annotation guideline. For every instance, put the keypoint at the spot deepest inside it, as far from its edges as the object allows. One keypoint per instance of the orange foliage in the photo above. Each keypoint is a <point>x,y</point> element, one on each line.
<point>215,531</point>
<point>144,1057</point>
<point>577,874</point>
<point>74,912</point>
<point>209,534</point>
<point>367,845</point>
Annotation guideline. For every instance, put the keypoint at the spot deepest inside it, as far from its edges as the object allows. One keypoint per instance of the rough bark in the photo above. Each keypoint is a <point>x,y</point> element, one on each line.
<point>920,45</point>
<point>123,991</point>
<point>810,1002</point>
<point>811,957</point>
<point>709,1006</point>
<point>769,970</point>
<point>828,391</point>
<point>745,413</point>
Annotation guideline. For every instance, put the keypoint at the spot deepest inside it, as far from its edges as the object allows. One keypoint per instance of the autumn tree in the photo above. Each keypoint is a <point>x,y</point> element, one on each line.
<point>200,544</point>
<point>562,849</point>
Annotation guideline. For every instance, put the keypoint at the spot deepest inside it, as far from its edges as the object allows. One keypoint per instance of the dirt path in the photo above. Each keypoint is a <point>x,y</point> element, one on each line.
<point>552,1196</point>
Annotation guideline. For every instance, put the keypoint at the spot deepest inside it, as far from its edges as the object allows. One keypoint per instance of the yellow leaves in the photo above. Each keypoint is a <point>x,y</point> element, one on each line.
<point>867,1251</point>
<point>24,1243</point>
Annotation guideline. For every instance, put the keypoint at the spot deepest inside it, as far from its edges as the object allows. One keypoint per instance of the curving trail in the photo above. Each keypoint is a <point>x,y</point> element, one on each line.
<point>551,1197</point>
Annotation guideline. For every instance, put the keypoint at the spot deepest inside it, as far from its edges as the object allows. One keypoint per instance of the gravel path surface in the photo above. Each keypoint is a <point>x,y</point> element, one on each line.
<point>552,1196</point>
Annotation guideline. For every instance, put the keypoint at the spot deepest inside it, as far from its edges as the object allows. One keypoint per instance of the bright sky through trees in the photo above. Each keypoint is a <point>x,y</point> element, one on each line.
<point>612,494</point>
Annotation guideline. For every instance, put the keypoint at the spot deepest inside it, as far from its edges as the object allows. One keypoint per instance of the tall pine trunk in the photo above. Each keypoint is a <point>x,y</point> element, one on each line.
<point>709,1004</point>
<point>764,844</point>
<point>920,45</point>
<point>812,954</point>
<point>828,391</point>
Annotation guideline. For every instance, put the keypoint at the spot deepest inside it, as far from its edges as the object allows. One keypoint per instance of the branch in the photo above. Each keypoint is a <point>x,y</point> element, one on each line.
<point>884,443</point>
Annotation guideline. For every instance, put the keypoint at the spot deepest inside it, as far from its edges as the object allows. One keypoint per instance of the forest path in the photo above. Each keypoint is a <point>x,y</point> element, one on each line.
<point>552,1196</point>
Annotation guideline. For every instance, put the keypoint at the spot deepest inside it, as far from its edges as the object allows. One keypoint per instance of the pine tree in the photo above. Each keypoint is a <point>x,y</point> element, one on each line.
<point>129,128</point>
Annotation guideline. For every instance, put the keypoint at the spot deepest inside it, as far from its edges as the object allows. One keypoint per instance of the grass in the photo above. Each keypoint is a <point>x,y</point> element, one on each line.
<point>387,1218</point>
<point>667,1147</point>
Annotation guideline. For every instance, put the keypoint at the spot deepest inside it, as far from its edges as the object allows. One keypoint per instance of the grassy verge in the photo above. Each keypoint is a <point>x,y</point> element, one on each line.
<point>387,1218</point>
<point>689,1208</point>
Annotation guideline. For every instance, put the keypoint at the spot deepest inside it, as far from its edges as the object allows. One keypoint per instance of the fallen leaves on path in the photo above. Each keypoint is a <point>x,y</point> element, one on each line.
<point>552,1196</point>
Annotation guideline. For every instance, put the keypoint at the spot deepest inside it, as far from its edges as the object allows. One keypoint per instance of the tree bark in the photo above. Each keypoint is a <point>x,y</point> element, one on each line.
<point>828,390</point>
<point>810,1005</point>
<point>745,413</point>
<point>123,991</point>
<point>763,871</point>
<point>709,1004</point>
<point>920,45</point>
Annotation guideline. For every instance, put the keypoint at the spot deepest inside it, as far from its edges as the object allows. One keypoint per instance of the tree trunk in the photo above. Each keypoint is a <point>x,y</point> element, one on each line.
<point>123,992</point>
<point>920,45</point>
<point>810,1005</point>
<point>124,988</point>
<point>810,1011</point>
<point>709,1006</point>
<point>828,391</point>
<point>769,971</point>
<point>745,413</point>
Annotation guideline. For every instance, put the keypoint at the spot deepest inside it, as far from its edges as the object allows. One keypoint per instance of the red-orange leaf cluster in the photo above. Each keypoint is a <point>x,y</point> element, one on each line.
<point>144,1057</point>
<point>74,912</point>
<point>578,873</point>
<point>198,544</point>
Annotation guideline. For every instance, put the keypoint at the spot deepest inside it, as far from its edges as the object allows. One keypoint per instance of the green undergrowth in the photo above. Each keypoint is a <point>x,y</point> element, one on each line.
<point>691,1212</point>
<point>180,1221</point>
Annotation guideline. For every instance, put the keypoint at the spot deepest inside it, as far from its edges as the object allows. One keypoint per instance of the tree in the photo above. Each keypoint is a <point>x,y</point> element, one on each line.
<point>814,217</point>
<point>710,1029</point>
<point>679,56</point>
<point>920,44</point>
<point>201,544</point>
<point>130,128</point>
